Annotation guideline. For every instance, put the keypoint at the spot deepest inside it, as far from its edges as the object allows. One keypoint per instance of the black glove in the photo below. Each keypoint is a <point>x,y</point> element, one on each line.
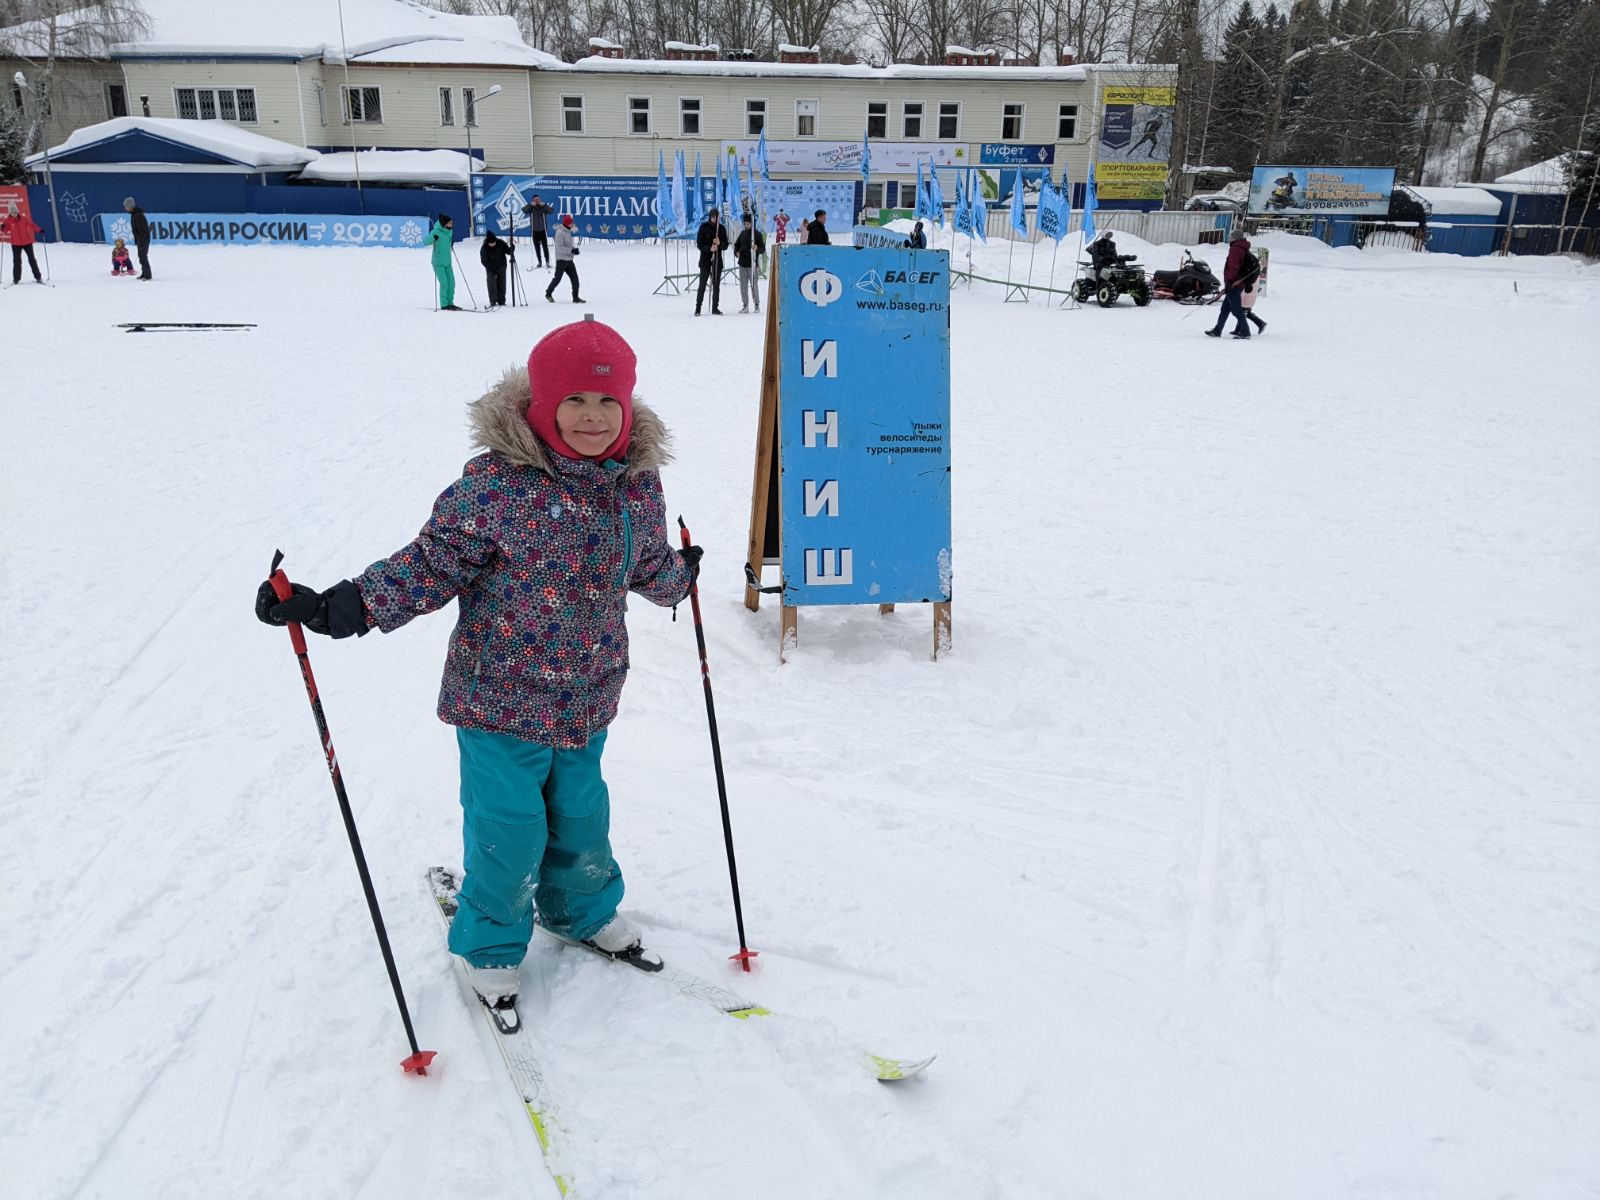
<point>577,250</point>
<point>691,559</point>
<point>337,612</point>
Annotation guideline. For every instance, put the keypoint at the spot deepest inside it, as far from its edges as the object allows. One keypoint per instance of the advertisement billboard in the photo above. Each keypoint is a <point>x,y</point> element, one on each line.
<point>844,158</point>
<point>864,425</point>
<point>1302,190</point>
<point>1135,142</point>
<point>801,197</point>
<point>271,229</point>
<point>604,207</point>
<point>1014,154</point>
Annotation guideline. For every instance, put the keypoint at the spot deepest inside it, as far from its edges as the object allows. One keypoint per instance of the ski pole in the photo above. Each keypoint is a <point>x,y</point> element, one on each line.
<point>464,278</point>
<point>418,1060</point>
<point>745,953</point>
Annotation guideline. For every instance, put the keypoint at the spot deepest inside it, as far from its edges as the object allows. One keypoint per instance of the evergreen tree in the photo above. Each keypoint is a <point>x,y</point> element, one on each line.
<point>12,151</point>
<point>1241,94</point>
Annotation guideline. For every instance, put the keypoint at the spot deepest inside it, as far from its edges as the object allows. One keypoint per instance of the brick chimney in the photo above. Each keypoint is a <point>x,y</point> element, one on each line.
<point>960,56</point>
<point>799,54</point>
<point>687,52</point>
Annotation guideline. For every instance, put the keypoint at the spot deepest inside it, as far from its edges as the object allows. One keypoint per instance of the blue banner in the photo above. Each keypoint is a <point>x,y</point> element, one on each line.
<point>603,207</point>
<point>864,425</point>
<point>1015,154</point>
<point>1301,190</point>
<point>800,198</point>
<point>276,229</point>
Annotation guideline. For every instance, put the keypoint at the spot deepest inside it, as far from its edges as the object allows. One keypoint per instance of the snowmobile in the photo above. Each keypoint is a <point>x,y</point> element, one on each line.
<point>1125,277</point>
<point>1191,283</point>
<point>1283,192</point>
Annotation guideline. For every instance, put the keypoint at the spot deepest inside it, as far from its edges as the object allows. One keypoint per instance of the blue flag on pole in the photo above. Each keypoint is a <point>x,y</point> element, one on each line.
<point>680,196</point>
<point>921,211</point>
<point>761,155</point>
<point>960,217</point>
<point>735,194</point>
<point>978,211</point>
<point>697,206</point>
<point>866,159</point>
<point>720,193</point>
<point>1047,220</point>
<point>1019,210</point>
<point>755,205</point>
<point>935,195</point>
<point>664,225</point>
<point>1089,205</point>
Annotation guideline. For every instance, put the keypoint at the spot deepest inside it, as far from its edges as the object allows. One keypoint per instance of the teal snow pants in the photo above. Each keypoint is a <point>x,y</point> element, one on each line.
<point>447,284</point>
<point>535,829</point>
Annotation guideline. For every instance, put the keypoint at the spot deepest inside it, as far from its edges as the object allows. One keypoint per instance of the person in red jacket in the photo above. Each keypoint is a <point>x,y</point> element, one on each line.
<point>20,232</point>
<point>1237,274</point>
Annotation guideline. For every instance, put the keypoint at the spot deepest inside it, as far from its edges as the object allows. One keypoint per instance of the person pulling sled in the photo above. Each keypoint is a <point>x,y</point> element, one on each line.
<point>540,541</point>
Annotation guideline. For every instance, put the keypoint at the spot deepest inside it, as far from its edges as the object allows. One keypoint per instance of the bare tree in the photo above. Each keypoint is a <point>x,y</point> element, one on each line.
<point>44,33</point>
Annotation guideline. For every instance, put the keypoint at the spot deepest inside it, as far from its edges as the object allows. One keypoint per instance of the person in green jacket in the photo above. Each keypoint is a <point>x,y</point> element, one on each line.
<point>442,239</point>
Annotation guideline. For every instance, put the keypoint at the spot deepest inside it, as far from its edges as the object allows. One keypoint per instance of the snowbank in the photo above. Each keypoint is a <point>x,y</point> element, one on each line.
<point>215,137</point>
<point>448,168</point>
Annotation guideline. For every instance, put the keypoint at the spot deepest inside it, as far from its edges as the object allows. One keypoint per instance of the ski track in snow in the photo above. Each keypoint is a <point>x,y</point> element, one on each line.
<point>1245,845</point>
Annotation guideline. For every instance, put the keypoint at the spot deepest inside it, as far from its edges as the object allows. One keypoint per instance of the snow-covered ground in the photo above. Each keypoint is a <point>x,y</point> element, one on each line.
<point>1245,846</point>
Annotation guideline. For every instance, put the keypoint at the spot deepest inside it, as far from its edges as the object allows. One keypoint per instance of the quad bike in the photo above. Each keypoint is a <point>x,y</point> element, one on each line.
<point>1191,283</point>
<point>1123,277</point>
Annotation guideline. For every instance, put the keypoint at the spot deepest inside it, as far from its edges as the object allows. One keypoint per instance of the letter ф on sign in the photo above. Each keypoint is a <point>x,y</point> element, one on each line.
<point>821,287</point>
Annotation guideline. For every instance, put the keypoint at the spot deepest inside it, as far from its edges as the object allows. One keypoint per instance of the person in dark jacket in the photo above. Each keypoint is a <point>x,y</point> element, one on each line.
<point>1237,274</point>
<point>918,239</point>
<point>817,230</point>
<point>494,254</point>
<point>20,231</point>
<point>141,235</point>
<point>748,248</point>
<point>712,239</point>
<point>1103,253</point>
<point>536,210</point>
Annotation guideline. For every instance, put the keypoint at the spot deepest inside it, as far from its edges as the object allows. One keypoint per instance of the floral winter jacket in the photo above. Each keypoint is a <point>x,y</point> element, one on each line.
<point>541,551</point>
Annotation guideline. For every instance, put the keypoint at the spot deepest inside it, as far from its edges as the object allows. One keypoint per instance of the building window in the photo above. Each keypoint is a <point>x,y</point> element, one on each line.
<point>689,116</point>
<point>1067,123</point>
<point>874,195</point>
<point>949,122</point>
<point>805,117</point>
<point>911,121</point>
<point>572,114</point>
<point>362,106</point>
<point>469,107</point>
<point>755,117</point>
<point>447,107</point>
<point>877,118</point>
<point>208,104</point>
<point>16,96</point>
<point>322,104</point>
<point>1011,123</point>
<point>116,100</point>
<point>639,115</point>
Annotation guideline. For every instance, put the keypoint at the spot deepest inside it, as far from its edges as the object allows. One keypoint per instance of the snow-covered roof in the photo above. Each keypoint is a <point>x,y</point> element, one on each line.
<point>444,168</point>
<point>1547,174</point>
<point>1456,201</point>
<point>659,66</point>
<point>600,43</point>
<point>373,30</point>
<point>213,137</point>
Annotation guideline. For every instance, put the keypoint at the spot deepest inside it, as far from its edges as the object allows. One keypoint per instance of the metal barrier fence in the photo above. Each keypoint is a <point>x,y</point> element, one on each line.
<point>1441,236</point>
<point>1184,228</point>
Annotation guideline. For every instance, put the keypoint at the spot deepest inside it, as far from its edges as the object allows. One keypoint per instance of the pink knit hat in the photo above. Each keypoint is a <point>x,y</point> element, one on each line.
<point>585,356</point>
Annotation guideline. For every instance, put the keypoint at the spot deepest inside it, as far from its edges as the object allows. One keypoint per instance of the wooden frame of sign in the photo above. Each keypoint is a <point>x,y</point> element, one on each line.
<point>765,546</point>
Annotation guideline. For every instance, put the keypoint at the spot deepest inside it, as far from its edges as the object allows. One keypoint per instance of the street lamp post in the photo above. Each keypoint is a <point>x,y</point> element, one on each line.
<point>21,81</point>
<point>471,112</point>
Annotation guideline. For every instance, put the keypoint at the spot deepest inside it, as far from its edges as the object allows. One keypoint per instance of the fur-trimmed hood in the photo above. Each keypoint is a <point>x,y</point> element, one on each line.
<point>500,424</point>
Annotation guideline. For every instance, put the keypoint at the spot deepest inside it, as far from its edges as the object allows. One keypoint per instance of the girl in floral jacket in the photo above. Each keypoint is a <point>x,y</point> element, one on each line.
<point>540,541</point>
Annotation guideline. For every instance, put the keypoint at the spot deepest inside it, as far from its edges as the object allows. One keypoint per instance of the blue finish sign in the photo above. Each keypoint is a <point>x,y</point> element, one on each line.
<point>864,424</point>
<point>1015,154</point>
<point>275,229</point>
